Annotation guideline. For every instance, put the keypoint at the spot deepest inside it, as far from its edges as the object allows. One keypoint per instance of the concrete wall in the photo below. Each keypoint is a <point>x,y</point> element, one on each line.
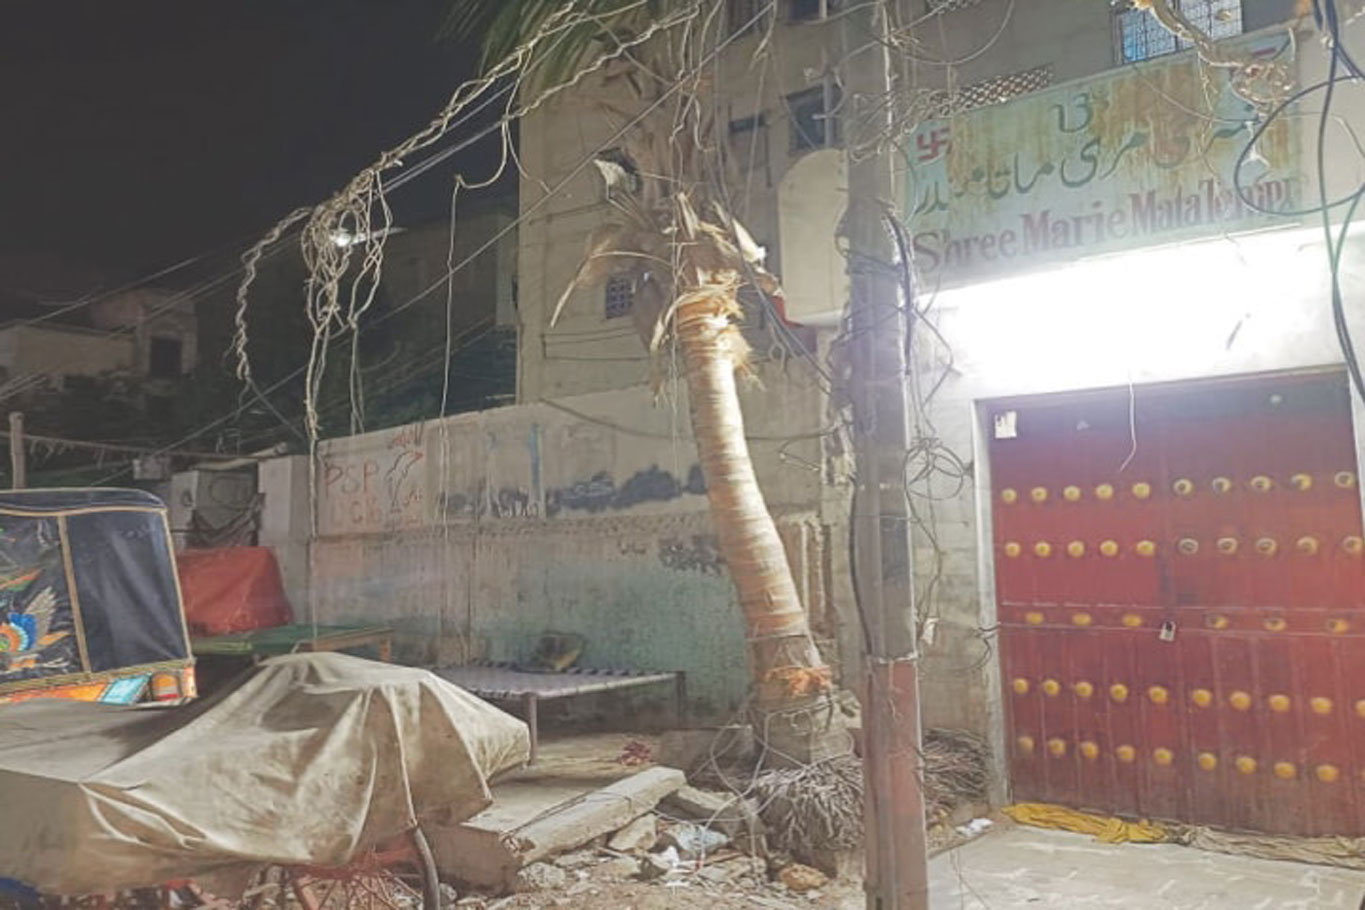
<point>475,535</point>
<point>62,351</point>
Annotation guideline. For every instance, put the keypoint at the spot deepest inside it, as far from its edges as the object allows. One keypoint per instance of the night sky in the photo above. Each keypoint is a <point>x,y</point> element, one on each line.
<point>135,133</point>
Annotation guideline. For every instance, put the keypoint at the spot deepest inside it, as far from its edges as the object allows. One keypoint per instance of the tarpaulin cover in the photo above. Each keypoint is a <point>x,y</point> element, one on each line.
<point>311,759</point>
<point>87,587</point>
<point>232,589</point>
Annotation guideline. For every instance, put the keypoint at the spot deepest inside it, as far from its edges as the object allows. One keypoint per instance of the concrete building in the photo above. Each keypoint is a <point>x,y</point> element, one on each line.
<point>151,333</point>
<point>1135,370</point>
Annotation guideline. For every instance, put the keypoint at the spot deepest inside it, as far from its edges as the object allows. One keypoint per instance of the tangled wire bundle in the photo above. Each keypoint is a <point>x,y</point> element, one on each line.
<point>820,807</point>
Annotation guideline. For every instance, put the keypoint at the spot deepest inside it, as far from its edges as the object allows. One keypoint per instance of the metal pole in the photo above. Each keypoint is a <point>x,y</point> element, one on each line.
<point>897,856</point>
<point>17,461</point>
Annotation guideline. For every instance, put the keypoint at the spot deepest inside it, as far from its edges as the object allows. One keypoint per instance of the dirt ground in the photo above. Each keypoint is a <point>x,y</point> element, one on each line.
<point>675,896</point>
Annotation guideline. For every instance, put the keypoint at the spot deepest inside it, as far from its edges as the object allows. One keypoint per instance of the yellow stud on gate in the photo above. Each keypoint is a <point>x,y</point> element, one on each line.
<point>1083,689</point>
<point>1217,621</point>
<point>1320,705</point>
<point>1338,626</point>
<point>1090,751</point>
<point>1353,545</point>
<point>1187,546</point>
<point>1145,548</point>
<point>1307,545</point>
<point>1019,685</point>
<point>1051,688</point>
<point>1142,490</point>
<point>1201,697</point>
<point>1033,618</point>
<point>1126,754</point>
<point>1285,770</point>
<point>1360,708</point>
<point>1302,482</point>
<point>1221,485</point>
<point>1025,744</point>
<point>1109,548</point>
<point>1118,692</point>
<point>1276,624</point>
<point>1131,621</point>
<point>1042,549</point>
<point>1104,492</point>
<point>1328,774</point>
<point>1012,549</point>
<point>1159,695</point>
<point>1009,496</point>
<point>1207,761</point>
<point>1279,703</point>
<point>1038,494</point>
<point>1183,487</point>
<point>1075,549</point>
<point>1081,619</point>
<point>1071,494</point>
<point>1056,747</point>
<point>1240,700</point>
<point>1163,756</point>
<point>1262,484</point>
<point>1344,479</point>
<point>1227,545</point>
<point>1246,764</point>
<point>1267,546</point>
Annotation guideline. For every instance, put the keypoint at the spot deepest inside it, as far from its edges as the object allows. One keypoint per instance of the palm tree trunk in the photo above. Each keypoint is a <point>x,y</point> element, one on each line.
<point>785,663</point>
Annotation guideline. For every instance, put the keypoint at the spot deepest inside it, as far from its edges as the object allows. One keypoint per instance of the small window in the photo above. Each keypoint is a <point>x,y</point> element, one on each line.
<point>814,124</point>
<point>164,358</point>
<point>812,10</point>
<point>620,296</point>
<point>749,142</point>
<point>1142,37</point>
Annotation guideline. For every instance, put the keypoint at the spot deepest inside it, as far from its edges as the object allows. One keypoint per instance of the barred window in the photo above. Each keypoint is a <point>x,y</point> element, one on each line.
<point>814,123</point>
<point>948,6</point>
<point>619,296</point>
<point>1141,36</point>
<point>996,90</point>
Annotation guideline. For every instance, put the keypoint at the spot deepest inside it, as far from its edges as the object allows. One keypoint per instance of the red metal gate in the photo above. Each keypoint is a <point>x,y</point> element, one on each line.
<point>1182,603</point>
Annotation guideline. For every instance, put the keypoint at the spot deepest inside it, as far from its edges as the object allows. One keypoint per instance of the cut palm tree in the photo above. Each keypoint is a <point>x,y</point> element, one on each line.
<point>687,260</point>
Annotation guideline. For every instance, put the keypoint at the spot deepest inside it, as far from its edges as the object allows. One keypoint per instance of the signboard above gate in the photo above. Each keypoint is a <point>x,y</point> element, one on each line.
<point>1137,157</point>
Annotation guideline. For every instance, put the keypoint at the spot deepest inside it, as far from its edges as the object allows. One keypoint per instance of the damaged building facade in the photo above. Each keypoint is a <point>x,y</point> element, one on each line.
<point>1138,535</point>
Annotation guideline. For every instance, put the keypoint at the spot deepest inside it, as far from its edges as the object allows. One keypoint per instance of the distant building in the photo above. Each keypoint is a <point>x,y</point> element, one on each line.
<point>53,330</point>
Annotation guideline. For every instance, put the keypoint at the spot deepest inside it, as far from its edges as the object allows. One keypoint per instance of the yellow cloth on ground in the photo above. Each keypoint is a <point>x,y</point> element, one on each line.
<point>1107,829</point>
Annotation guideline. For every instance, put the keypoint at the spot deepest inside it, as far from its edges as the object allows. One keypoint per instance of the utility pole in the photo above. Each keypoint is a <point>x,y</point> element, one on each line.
<point>18,463</point>
<point>897,873</point>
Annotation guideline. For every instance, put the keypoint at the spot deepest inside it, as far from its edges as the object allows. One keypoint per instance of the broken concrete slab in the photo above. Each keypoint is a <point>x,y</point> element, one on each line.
<point>725,812</point>
<point>489,849</point>
<point>637,836</point>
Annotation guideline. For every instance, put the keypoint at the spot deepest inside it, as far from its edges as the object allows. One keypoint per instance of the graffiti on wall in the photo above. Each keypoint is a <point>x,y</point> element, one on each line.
<point>698,553</point>
<point>601,493</point>
<point>377,490</point>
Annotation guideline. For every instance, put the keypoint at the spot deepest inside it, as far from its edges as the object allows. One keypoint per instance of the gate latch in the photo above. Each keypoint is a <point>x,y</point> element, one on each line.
<point>1167,632</point>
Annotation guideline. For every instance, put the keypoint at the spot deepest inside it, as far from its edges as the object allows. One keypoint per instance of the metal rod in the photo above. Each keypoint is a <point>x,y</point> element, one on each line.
<point>18,462</point>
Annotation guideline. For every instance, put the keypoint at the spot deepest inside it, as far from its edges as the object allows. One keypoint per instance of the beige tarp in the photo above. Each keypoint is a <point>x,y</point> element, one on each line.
<point>311,759</point>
